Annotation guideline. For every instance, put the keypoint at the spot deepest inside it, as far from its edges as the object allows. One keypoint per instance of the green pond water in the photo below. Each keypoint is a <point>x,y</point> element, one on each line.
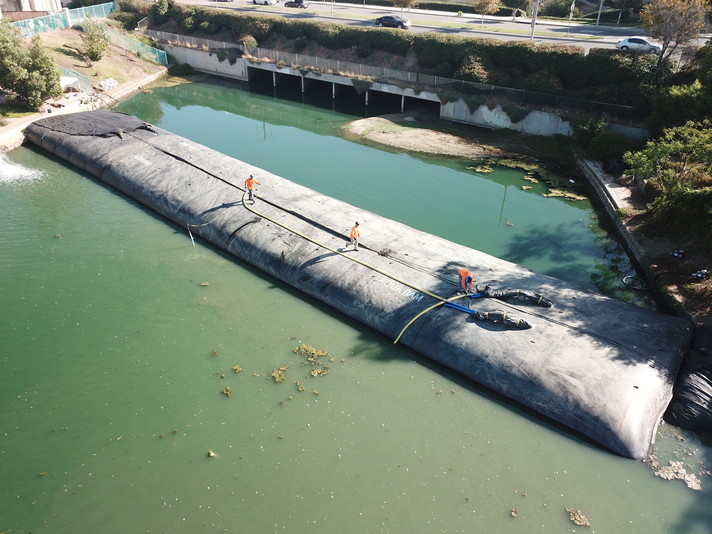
<point>113,358</point>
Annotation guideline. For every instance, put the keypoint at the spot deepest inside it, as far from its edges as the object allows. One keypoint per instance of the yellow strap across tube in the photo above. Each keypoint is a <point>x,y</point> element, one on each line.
<point>373,268</point>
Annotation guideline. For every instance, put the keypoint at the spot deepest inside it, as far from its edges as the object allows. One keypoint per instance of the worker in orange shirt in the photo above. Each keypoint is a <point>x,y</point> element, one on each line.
<point>466,280</point>
<point>354,235</point>
<point>250,185</point>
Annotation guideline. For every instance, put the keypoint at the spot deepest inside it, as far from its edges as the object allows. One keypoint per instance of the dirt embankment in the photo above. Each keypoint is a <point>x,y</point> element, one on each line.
<point>402,132</point>
<point>119,64</point>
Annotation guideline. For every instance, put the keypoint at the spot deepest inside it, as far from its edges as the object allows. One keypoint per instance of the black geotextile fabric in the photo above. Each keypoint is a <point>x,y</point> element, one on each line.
<point>691,405</point>
<point>102,123</point>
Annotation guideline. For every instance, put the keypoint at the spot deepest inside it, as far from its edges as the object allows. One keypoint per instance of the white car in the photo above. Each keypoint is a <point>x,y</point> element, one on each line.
<point>639,44</point>
<point>265,2</point>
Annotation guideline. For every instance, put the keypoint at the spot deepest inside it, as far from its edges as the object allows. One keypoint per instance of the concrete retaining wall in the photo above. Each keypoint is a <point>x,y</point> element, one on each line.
<point>536,122</point>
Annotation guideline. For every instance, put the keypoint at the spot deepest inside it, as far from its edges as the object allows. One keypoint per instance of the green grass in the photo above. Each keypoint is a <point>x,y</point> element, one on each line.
<point>10,110</point>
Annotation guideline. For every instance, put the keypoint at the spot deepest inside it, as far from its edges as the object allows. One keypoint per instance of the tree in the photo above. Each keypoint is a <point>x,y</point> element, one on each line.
<point>681,159</point>
<point>29,73</point>
<point>404,4</point>
<point>485,7</point>
<point>96,44</point>
<point>674,23</point>
<point>678,104</point>
<point>45,74</point>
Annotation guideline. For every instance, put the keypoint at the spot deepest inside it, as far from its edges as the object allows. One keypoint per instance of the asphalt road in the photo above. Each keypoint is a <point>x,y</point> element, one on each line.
<point>503,28</point>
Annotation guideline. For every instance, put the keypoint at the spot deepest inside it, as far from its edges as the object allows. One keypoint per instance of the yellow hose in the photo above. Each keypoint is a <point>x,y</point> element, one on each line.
<point>423,312</point>
<point>369,266</point>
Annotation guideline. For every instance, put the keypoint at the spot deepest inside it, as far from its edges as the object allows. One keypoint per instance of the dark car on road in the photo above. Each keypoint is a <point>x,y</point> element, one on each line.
<point>297,3</point>
<point>391,21</point>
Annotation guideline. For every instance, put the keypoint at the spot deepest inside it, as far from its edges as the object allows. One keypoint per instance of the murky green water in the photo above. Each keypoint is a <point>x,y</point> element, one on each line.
<point>113,357</point>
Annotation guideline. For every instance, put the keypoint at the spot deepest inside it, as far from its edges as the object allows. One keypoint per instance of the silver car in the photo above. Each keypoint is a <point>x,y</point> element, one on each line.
<point>639,44</point>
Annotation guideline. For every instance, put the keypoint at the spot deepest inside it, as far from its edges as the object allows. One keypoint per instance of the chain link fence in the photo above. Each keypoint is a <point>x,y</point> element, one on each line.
<point>137,47</point>
<point>83,84</point>
<point>65,19</point>
<point>72,17</point>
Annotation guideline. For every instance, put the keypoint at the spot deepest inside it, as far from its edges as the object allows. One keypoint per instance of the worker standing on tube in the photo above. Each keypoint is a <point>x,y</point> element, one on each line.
<point>250,185</point>
<point>354,235</point>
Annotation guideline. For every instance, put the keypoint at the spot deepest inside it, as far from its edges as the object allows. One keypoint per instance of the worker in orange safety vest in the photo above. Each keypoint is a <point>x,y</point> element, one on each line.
<point>466,280</point>
<point>354,235</point>
<point>250,185</point>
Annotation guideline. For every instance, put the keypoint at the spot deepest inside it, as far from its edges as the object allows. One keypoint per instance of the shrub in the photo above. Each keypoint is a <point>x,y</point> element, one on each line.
<point>542,82</point>
<point>300,43</point>
<point>685,213</point>
<point>514,112</point>
<point>128,20</point>
<point>161,11</point>
<point>585,132</point>
<point>96,44</point>
<point>248,41</point>
<point>608,145</point>
<point>556,8</point>
<point>474,69</point>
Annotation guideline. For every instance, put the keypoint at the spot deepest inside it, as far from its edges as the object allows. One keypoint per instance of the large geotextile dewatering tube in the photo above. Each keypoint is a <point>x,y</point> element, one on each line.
<point>598,365</point>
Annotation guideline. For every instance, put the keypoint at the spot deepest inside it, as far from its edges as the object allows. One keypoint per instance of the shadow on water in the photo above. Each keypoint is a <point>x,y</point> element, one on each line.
<point>536,243</point>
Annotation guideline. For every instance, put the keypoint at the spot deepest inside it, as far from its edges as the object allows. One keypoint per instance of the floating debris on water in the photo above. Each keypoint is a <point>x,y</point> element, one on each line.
<point>482,169</point>
<point>204,283</point>
<point>215,353</point>
<point>578,518</point>
<point>513,512</point>
<point>568,195</point>
<point>300,387</point>
<point>227,390</point>
<point>237,368</point>
<point>677,471</point>
<point>278,374</point>
<point>313,357</point>
<point>211,454</point>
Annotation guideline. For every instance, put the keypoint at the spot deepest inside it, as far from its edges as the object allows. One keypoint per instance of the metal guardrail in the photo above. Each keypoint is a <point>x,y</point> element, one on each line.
<point>418,81</point>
